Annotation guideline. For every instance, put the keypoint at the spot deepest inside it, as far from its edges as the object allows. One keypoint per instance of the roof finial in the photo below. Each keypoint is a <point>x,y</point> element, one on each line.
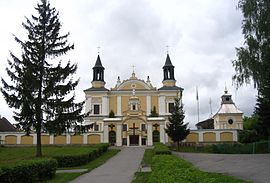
<point>167,49</point>
<point>133,66</point>
<point>98,49</point>
<point>225,91</point>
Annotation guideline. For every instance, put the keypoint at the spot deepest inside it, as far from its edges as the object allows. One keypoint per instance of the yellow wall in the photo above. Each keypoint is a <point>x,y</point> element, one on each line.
<point>11,139</point>
<point>128,86</point>
<point>76,139</point>
<point>45,139</point>
<point>61,139</point>
<point>125,103</point>
<point>143,102</point>
<point>192,137</point>
<point>93,139</point>
<point>26,139</point>
<point>209,137</point>
<point>154,102</point>
<point>226,136</point>
<point>113,104</point>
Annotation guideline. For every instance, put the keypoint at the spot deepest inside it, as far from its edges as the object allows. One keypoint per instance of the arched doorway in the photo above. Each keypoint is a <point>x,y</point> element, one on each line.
<point>112,137</point>
<point>156,135</point>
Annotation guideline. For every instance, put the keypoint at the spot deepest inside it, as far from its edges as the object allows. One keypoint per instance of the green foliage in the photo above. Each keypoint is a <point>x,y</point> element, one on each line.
<point>111,114</point>
<point>176,129</point>
<point>147,157</point>
<point>28,171</point>
<point>253,58</point>
<point>236,148</point>
<point>248,136</point>
<point>41,88</point>
<point>80,159</point>
<point>172,169</point>
<point>154,112</point>
<point>250,123</point>
<point>141,177</point>
<point>160,148</point>
<point>63,177</point>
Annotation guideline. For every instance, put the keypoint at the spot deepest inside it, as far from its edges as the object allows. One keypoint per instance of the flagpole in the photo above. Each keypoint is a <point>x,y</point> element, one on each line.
<point>198,107</point>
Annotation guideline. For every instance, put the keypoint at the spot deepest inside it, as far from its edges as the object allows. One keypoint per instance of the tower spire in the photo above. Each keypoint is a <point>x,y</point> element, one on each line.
<point>98,74</point>
<point>168,72</point>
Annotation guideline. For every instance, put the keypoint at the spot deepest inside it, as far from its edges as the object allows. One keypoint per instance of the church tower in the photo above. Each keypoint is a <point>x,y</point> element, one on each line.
<point>168,73</point>
<point>98,75</point>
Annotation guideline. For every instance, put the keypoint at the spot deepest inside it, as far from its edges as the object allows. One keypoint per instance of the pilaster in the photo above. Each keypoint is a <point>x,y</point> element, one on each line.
<point>119,135</point>
<point>119,106</point>
<point>149,134</point>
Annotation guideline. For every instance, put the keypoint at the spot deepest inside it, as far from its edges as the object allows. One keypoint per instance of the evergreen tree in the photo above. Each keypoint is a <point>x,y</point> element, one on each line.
<point>42,89</point>
<point>253,58</point>
<point>176,129</point>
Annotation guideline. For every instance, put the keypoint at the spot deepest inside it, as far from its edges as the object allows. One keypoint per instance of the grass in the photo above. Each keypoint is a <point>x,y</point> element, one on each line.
<point>194,149</point>
<point>66,177</point>
<point>147,157</point>
<point>141,177</point>
<point>63,177</point>
<point>10,155</point>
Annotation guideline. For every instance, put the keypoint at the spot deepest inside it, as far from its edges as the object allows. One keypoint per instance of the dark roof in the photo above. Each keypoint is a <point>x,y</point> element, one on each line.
<point>171,88</point>
<point>206,124</point>
<point>6,126</point>
<point>168,62</point>
<point>97,89</point>
<point>98,63</point>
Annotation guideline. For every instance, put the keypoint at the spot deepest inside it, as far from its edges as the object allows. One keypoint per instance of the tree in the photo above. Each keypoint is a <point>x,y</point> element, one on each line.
<point>176,129</point>
<point>154,112</point>
<point>253,58</point>
<point>42,89</point>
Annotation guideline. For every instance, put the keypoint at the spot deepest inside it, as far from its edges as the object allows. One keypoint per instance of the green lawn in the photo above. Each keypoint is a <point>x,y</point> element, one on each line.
<point>10,155</point>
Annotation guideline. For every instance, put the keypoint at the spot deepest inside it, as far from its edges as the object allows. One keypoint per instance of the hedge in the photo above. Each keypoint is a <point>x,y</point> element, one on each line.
<point>160,148</point>
<point>28,171</point>
<point>81,159</point>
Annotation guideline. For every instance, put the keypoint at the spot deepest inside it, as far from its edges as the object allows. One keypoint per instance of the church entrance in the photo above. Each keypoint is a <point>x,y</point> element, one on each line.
<point>156,136</point>
<point>112,137</point>
<point>134,140</point>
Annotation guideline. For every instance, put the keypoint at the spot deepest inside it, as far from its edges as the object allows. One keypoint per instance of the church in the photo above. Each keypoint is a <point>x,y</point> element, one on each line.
<point>133,112</point>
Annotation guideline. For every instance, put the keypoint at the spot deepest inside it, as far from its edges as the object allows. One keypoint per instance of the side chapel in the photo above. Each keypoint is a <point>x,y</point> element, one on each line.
<point>125,114</point>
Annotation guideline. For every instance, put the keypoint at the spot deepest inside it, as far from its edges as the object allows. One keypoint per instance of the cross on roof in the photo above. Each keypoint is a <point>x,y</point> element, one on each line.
<point>167,49</point>
<point>133,66</point>
<point>98,49</point>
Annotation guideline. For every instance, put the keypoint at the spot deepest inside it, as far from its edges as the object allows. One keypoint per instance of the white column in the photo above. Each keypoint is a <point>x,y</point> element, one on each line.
<point>140,140</point>
<point>87,104</point>
<point>119,135</point>
<point>200,136</point>
<point>68,138</point>
<point>218,136</point>
<point>149,134</point>
<point>51,139</point>
<point>148,105</point>
<point>161,105</point>
<point>235,135</point>
<point>85,138</point>
<point>127,140</point>
<point>162,133</point>
<point>105,133</point>
<point>105,105</point>
<point>119,106</point>
<point>19,139</point>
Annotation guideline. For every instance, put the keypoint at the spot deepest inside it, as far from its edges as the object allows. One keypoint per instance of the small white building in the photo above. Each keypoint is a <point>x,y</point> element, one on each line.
<point>228,115</point>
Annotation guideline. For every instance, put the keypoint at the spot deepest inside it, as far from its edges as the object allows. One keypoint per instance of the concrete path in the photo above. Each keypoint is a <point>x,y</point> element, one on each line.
<point>255,168</point>
<point>118,169</point>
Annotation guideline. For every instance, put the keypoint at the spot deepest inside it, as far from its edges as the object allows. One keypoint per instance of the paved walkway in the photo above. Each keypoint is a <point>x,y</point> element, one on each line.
<point>245,166</point>
<point>118,169</point>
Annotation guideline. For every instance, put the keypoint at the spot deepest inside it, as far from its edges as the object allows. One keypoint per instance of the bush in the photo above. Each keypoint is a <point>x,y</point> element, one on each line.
<point>28,171</point>
<point>81,159</point>
<point>160,148</point>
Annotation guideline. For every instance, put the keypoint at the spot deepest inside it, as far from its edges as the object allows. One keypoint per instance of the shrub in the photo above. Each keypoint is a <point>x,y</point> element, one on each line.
<point>28,171</point>
<point>160,148</point>
<point>81,159</point>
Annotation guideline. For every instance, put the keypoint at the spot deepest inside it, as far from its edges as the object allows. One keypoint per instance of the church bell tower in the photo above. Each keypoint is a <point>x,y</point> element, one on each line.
<point>98,75</point>
<point>168,73</point>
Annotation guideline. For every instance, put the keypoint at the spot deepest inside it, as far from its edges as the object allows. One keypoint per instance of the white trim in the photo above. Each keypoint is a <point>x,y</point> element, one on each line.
<point>119,106</point>
<point>148,105</point>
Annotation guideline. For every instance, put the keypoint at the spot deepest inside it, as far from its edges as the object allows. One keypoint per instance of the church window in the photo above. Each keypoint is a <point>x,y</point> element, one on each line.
<point>171,107</point>
<point>227,98</point>
<point>124,127</point>
<point>133,107</point>
<point>230,121</point>
<point>96,127</point>
<point>96,109</point>
<point>143,127</point>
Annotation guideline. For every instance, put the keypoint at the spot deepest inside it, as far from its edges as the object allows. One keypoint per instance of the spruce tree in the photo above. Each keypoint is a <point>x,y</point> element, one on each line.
<point>42,88</point>
<point>176,129</point>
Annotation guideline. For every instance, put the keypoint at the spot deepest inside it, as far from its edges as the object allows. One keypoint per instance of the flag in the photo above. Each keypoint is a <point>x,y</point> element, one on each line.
<point>197,96</point>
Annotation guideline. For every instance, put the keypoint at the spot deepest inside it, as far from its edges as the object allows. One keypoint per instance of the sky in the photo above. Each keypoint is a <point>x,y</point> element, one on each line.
<point>201,35</point>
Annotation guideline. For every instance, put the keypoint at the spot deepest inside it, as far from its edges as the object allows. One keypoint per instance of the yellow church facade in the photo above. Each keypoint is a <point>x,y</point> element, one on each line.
<point>124,114</point>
